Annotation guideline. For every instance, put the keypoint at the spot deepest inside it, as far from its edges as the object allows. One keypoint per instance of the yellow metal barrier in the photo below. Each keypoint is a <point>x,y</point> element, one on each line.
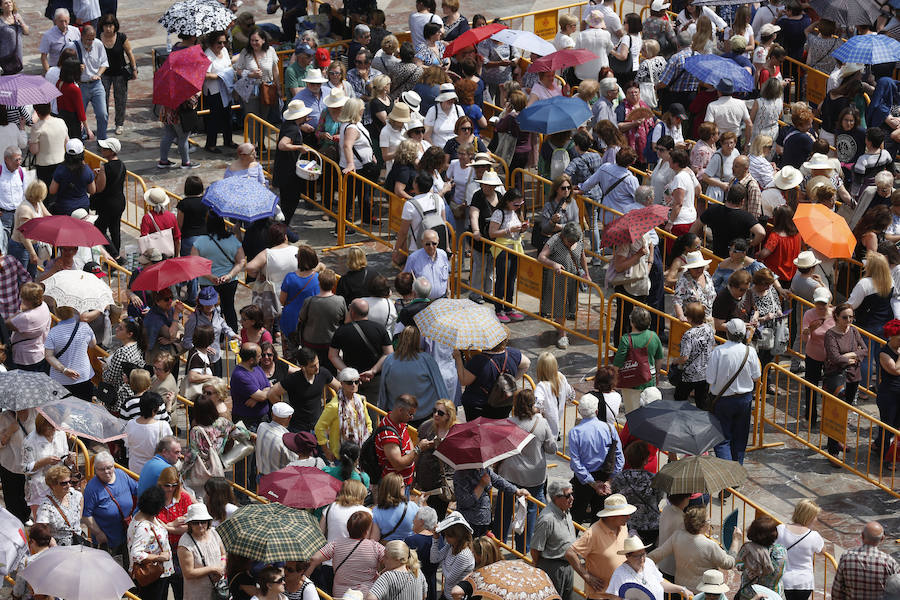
<point>135,207</point>
<point>533,188</point>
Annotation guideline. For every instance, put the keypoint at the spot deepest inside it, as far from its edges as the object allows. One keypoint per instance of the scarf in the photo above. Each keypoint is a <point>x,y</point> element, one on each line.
<point>351,416</point>
<point>637,136</point>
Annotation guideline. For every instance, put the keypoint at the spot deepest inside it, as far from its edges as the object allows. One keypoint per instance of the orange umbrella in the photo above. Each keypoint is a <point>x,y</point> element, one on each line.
<point>824,231</point>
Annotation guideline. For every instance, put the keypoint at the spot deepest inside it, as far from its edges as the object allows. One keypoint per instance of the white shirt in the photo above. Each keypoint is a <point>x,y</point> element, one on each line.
<point>650,578</point>
<point>766,14</point>
<point>271,453</point>
<point>600,43</point>
<point>612,20</point>
<point>86,10</point>
<point>728,113</point>
<point>443,123</point>
<point>52,75</point>
<point>141,441</point>
<point>720,168</point>
<point>798,567</point>
<point>460,177</point>
<point>390,139</point>
<point>426,202</point>
<point>12,188</point>
<point>417,22</point>
<point>659,179</point>
<point>760,55</point>
<point>563,41</point>
<point>687,181</point>
<point>551,406</point>
<point>671,519</point>
<point>93,59</point>
<point>336,517</point>
<point>382,310</point>
<point>11,453</point>
<point>724,362</point>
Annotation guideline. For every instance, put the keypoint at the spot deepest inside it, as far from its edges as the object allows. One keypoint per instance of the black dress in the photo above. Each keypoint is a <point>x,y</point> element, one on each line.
<point>284,176</point>
<point>110,204</point>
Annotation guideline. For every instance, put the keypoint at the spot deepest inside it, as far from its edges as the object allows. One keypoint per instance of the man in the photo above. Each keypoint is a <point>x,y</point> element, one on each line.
<point>411,226</point>
<point>108,497</point>
<point>597,40</point>
<point>313,98</point>
<point>363,345</point>
<point>740,168</point>
<point>679,85</point>
<point>589,442</point>
<point>57,38</point>
<point>862,572</point>
<point>617,184</point>
<point>296,71</point>
<point>249,388</point>
<point>430,263</point>
<point>12,276</point>
<point>612,21</point>
<point>360,78</point>
<point>738,53</point>
<point>727,112</point>
<point>361,37</point>
<point>271,453</point>
<point>729,303</point>
<point>12,191</point>
<point>595,555</point>
<point>94,63</point>
<point>554,533</point>
<point>422,290</point>
<point>730,222</point>
<point>168,452</point>
<point>735,392</point>
<point>393,446</point>
<point>603,109</point>
<point>305,390</point>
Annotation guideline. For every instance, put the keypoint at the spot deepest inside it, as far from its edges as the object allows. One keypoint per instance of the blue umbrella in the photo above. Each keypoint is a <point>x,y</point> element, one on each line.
<point>894,3</point>
<point>560,113</point>
<point>710,68</point>
<point>868,50</point>
<point>242,198</point>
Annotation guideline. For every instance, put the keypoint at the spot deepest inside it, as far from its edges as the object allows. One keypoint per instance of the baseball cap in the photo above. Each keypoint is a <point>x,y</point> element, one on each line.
<point>74,146</point>
<point>304,49</point>
<point>736,327</point>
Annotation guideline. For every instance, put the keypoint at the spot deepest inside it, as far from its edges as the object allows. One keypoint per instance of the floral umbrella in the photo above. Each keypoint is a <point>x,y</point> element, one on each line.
<point>512,580</point>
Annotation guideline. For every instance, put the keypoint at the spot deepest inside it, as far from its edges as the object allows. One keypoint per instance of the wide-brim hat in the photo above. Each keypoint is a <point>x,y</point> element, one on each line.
<point>632,544</point>
<point>616,505</point>
<point>820,161</point>
<point>595,20</point>
<point>447,92</point>
<point>336,98</point>
<point>806,260</point>
<point>156,196</point>
<point>296,109</point>
<point>713,582</point>
<point>490,178</point>
<point>850,69</point>
<point>314,76</point>
<point>788,178</point>
<point>301,443</point>
<point>454,518</point>
<point>658,5</point>
<point>695,259</point>
<point>150,256</point>
<point>416,121</point>
<point>197,512</point>
<point>482,159</point>
<point>411,99</point>
<point>208,296</point>
<point>400,112</point>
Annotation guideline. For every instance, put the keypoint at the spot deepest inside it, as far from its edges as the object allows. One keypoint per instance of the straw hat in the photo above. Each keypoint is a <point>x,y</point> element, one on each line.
<point>616,505</point>
<point>819,161</point>
<point>314,76</point>
<point>788,178</point>
<point>695,259</point>
<point>448,92</point>
<point>400,112</point>
<point>595,20</point>
<point>482,159</point>
<point>713,582</point>
<point>850,69</point>
<point>295,110</point>
<point>156,196</point>
<point>632,544</point>
<point>490,178</point>
<point>336,98</point>
<point>806,260</point>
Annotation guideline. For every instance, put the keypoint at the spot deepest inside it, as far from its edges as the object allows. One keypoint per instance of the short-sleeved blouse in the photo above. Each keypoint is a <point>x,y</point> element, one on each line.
<point>64,521</point>
<point>207,552</point>
<point>149,537</point>
<point>688,289</point>
<point>697,344</point>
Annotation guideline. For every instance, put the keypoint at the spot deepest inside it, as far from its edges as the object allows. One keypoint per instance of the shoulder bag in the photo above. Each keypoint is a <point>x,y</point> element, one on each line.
<point>220,589</point>
<point>162,240</point>
<point>366,341</point>
<point>504,388</point>
<point>295,336</point>
<point>712,398</point>
<point>77,538</point>
<point>148,571</point>
<point>201,471</point>
<point>538,237</point>
<point>268,95</point>
<point>636,369</point>
<point>68,343</point>
<point>341,564</point>
<point>384,536</point>
<point>190,390</point>
<point>622,67</point>
<point>126,520</point>
<point>369,170</point>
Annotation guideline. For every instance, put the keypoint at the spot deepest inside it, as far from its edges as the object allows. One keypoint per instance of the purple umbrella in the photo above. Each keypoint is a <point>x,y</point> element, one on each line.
<point>22,90</point>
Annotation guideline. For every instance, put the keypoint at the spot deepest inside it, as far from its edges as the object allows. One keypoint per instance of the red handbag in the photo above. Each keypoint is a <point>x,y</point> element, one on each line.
<point>636,370</point>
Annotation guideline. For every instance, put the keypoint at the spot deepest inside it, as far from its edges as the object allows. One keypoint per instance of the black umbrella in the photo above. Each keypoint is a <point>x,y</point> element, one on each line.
<point>676,427</point>
<point>847,13</point>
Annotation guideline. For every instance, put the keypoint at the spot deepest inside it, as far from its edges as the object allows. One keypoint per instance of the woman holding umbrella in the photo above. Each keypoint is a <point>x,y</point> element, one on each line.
<point>563,252</point>
<point>201,554</point>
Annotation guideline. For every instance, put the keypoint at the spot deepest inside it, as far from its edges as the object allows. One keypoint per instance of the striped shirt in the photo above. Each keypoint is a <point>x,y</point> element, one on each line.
<point>271,453</point>
<point>454,566</point>
<point>132,409</point>
<point>355,564</point>
<point>399,585</point>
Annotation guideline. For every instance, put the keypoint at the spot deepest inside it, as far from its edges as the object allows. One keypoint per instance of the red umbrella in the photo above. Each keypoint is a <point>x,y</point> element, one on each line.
<point>300,487</point>
<point>633,224</point>
<point>180,77</point>
<point>62,230</point>
<point>171,271</point>
<point>481,443</point>
<point>472,37</point>
<point>559,60</point>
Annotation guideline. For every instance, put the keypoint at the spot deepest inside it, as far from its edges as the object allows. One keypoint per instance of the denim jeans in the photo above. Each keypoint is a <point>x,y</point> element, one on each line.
<point>503,518</point>
<point>734,414</point>
<point>19,251</point>
<point>92,93</point>
<point>172,133</point>
<point>7,218</point>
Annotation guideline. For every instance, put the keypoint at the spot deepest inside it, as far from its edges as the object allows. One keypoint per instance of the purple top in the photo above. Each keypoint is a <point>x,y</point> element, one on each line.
<point>243,384</point>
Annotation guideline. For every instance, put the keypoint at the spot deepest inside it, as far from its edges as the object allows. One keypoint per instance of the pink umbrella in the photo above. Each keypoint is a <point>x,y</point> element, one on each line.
<point>561,59</point>
<point>481,443</point>
<point>300,487</point>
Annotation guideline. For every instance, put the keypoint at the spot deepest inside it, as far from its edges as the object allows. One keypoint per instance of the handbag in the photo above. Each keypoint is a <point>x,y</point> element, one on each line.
<point>396,525</point>
<point>220,589</point>
<point>369,170</point>
<point>676,374</point>
<point>147,571</point>
<point>538,237</point>
<point>711,398</point>
<point>622,67</point>
<point>239,450</point>
<point>506,146</point>
<point>268,94</point>
<point>264,295</point>
<point>191,390</point>
<point>77,538</point>
<point>200,472</point>
<point>162,240</point>
<point>636,370</point>
<point>126,520</point>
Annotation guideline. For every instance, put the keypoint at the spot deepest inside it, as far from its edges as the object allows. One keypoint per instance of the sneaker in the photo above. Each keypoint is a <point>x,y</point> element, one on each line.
<point>501,316</point>
<point>120,130</point>
<point>189,165</point>
<point>562,343</point>
<point>164,165</point>
<point>516,316</point>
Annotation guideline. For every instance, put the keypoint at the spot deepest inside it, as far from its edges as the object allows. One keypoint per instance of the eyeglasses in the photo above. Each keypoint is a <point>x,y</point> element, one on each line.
<point>65,483</point>
<point>279,580</point>
<point>440,413</point>
<point>334,72</point>
<point>465,129</point>
<point>569,495</point>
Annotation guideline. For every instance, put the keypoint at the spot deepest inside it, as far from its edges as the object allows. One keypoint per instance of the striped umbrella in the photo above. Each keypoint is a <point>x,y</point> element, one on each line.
<point>868,50</point>
<point>461,324</point>
<point>271,533</point>
<point>703,474</point>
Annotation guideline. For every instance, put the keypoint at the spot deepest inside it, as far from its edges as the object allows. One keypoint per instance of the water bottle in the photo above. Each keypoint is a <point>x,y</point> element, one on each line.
<point>168,42</point>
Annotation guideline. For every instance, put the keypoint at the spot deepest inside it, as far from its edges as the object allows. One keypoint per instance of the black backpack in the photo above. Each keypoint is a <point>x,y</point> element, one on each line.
<point>368,458</point>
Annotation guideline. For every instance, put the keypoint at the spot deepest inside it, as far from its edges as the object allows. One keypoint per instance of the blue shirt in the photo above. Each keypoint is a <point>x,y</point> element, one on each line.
<point>222,258</point>
<point>316,103</point>
<point>99,504</point>
<point>588,444</point>
<point>436,270</point>
<point>150,474</point>
<point>155,319</point>
<point>297,289</point>
<point>387,518</point>
<point>72,193</point>
<point>621,197</point>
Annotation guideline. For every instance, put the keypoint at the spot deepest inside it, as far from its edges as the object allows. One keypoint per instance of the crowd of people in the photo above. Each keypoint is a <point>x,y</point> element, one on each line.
<point>315,350</point>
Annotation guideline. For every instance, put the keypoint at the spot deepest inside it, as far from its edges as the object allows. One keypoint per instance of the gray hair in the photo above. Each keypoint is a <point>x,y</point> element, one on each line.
<point>587,406</point>
<point>60,11</point>
<point>683,39</point>
<point>165,443</point>
<point>428,516</point>
<point>103,458</point>
<point>739,338</point>
<point>360,30</point>
<point>422,287</point>
<point>882,177</point>
<point>640,318</point>
<point>571,232</point>
<point>12,151</point>
<point>643,195</point>
<point>556,487</point>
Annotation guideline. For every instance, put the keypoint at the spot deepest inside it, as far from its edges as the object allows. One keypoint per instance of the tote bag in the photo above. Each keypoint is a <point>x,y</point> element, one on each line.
<point>160,239</point>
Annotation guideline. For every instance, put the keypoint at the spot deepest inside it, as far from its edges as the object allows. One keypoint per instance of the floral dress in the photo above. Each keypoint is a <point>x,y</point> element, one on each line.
<point>64,518</point>
<point>149,537</point>
<point>767,114</point>
<point>431,57</point>
<point>688,289</point>
<point>697,345</point>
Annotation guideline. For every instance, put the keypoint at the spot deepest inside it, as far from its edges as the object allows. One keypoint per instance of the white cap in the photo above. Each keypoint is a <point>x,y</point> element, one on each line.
<point>74,146</point>
<point>80,214</point>
<point>282,410</point>
<point>111,144</point>
<point>650,395</point>
<point>822,294</point>
<point>736,327</point>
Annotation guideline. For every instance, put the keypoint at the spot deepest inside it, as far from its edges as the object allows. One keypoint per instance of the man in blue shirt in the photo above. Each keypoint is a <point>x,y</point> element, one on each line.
<point>589,443</point>
<point>313,98</point>
<point>617,184</point>
<point>738,53</point>
<point>108,498</point>
<point>431,263</point>
<point>168,452</point>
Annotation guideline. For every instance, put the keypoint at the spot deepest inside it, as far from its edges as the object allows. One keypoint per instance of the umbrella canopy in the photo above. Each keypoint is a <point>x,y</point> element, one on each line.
<point>180,77</point>
<point>512,579</point>
<point>84,419</point>
<point>460,324</point>
<point>27,389</point>
<point>77,573</point>
<point>196,17</point>
<point>847,13</point>
<point>300,487</point>
<point>553,115</point>
<point>171,271</point>
<point>633,224</point>
<point>481,443</point>
<point>21,90</point>
<point>676,427</point>
<point>13,544</point>
<point>825,231</point>
<point>868,50</point>
<point>703,474</point>
<point>63,230</point>
<point>242,198</point>
<point>525,40</point>
<point>721,2</point>
<point>561,59</point>
<point>710,68</point>
<point>472,37</point>
<point>271,533</point>
<point>81,290</point>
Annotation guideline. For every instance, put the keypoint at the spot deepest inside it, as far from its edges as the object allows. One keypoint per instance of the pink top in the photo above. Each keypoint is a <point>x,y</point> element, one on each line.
<point>700,155</point>
<point>32,327</point>
<point>815,347</point>
<point>264,337</point>
<point>543,93</point>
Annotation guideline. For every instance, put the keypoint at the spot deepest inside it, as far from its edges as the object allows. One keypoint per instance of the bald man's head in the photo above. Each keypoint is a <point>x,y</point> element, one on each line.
<point>359,309</point>
<point>872,533</point>
<point>740,166</point>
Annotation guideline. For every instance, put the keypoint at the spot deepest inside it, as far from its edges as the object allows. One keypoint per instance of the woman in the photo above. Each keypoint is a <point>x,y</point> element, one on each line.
<point>694,285</point>
<point>526,470</point>
<point>287,151</point>
<point>459,173</point>
<point>761,168</point>
<point>122,66</point>
<point>148,542</point>
<point>415,131</point>
<point>275,369</point>
<point>157,218</point>
<point>367,554</point>
<point>320,316</point>
<point>767,109</point>
<point>47,142</point>
<point>869,232</point>
<point>72,341</point>
<point>334,521</point>
<point>216,96</point>
<point>61,508</point>
<point>801,543</point>
<point>821,42</point>
<point>393,134</point>
<point>682,190</point>
<point>177,502</point>
<point>718,173</point>
<point>271,584</point>
<point>410,370</point>
<point>451,548</point>
<point>69,104</point>
<point>430,86</point>
<point>639,337</point>
<point>559,210</point>
<point>220,500</point>
<point>849,139</point>
<point>12,29</point>
<point>178,123</point>
<point>470,91</point>
<point>163,381</point>
<point>431,52</point>
<point>627,54</point>
<point>466,135</point>
<point>703,40</point>
<point>761,560</point>
<point>29,328</point>
<point>393,514</point>
<point>639,568</point>
<point>337,80</point>
<point>379,107</point>
<point>676,257</point>
<point>481,372</point>
<point>295,289</point>
<point>763,304</point>
<point>73,181</point>
<point>402,576</point>
<point>347,465</point>
<point>697,344</point>
<point>270,267</point>
<point>737,261</point>
<point>545,87</point>
<point>871,299</point>
<point>798,140</point>
<point>200,553</point>
<point>357,154</point>
<point>650,70</point>
<point>635,130</point>
<point>509,124</point>
<point>39,539</point>
<point>143,433</point>
<point>485,201</point>
<point>629,275</point>
<point>634,481</point>
<point>198,368</point>
<point>344,418</point>
<point>403,170</point>
<point>771,69</point>
<point>563,252</point>
<point>209,315</point>
<point>701,153</point>
<point>816,322</point>
<point>210,433</point>
<point>434,476</point>
<point>329,124</point>
<point>506,225</point>
<point>553,392</point>
<point>381,307</point>
<point>297,586</point>
<point>845,349</point>
<point>441,119</point>
<point>887,388</point>
<point>253,327</point>
<point>782,244</point>
<point>454,23</point>
<point>245,164</point>
<point>405,73</point>
<point>227,255</point>
<point>741,26</point>
<point>355,282</point>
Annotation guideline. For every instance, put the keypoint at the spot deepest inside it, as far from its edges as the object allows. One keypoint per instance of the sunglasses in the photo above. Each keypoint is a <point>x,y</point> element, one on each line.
<point>170,485</point>
<point>846,317</point>
<point>465,129</point>
<point>209,392</point>
<point>440,413</point>
<point>279,580</point>
<point>65,483</point>
<point>354,382</point>
<point>334,72</point>
<point>565,187</point>
<point>272,354</point>
<point>291,570</point>
<point>569,495</point>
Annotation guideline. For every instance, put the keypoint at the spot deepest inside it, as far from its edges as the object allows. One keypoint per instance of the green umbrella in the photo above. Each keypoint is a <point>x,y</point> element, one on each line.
<point>705,474</point>
<point>271,533</point>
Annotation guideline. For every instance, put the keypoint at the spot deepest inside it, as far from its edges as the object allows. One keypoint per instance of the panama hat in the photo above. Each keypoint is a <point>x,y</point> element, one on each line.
<point>416,121</point>
<point>197,512</point>
<point>695,259</point>
<point>819,161</point>
<point>411,99</point>
<point>314,76</point>
<point>400,112</point>
<point>806,260</point>
<point>788,178</point>
<point>482,159</point>
<point>490,178</point>
<point>454,518</point>
<point>713,582</point>
<point>447,92</point>
<point>295,110</point>
<point>850,69</point>
<point>616,505</point>
<point>632,543</point>
<point>336,98</point>
<point>156,196</point>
